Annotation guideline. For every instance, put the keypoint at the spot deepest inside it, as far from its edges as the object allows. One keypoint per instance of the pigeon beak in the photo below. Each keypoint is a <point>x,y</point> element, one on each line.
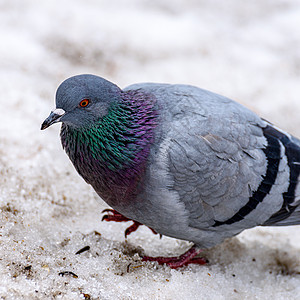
<point>54,117</point>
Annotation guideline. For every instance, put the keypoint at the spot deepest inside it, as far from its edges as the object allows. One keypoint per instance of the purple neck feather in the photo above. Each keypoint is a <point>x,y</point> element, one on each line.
<point>112,154</point>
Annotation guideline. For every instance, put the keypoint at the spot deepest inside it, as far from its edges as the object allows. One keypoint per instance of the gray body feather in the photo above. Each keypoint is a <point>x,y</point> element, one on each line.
<point>207,162</point>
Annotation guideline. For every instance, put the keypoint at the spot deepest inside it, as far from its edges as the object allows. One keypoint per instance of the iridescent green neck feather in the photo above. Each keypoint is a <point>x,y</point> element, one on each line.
<point>112,153</point>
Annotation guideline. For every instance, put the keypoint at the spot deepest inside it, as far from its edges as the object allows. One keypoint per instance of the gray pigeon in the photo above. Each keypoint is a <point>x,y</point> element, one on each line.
<point>186,162</point>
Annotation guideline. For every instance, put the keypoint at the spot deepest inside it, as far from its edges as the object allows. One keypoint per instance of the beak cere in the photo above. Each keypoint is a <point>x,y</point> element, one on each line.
<point>54,117</point>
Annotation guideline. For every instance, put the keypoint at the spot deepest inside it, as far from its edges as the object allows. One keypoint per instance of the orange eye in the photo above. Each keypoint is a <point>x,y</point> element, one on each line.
<point>84,102</point>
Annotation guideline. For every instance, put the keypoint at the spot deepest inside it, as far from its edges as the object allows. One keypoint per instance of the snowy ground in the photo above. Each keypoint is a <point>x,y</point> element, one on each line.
<point>246,50</point>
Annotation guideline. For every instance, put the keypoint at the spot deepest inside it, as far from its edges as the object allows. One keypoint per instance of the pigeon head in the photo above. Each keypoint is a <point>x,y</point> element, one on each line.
<point>82,100</point>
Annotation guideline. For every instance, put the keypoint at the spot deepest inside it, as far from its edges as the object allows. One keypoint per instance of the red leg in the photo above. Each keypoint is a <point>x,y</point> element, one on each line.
<point>179,261</point>
<point>113,215</point>
<point>132,228</point>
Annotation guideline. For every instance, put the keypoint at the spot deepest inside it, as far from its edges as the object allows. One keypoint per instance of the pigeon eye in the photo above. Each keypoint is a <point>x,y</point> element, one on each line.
<point>84,102</point>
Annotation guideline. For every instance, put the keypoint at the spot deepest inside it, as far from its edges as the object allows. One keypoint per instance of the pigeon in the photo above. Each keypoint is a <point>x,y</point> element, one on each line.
<point>186,162</point>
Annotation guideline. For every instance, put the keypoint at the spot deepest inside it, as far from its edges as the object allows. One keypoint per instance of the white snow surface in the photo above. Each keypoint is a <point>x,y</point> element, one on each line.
<point>246,50</point>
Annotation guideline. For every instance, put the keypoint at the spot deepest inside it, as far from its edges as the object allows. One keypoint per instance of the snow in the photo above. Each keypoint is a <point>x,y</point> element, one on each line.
<point>246,50</point>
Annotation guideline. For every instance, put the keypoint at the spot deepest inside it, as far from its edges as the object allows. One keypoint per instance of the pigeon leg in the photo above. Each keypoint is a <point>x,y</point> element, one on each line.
<point>113,215</point>
<point>179,261</point>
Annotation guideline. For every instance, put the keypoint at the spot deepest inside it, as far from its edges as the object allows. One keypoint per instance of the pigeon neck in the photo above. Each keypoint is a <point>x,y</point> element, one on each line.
<point>112,154</point>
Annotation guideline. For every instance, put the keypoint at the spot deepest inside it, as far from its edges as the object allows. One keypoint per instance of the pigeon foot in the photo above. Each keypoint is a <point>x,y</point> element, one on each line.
<point>113,215</point>
<point>185,259</point>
